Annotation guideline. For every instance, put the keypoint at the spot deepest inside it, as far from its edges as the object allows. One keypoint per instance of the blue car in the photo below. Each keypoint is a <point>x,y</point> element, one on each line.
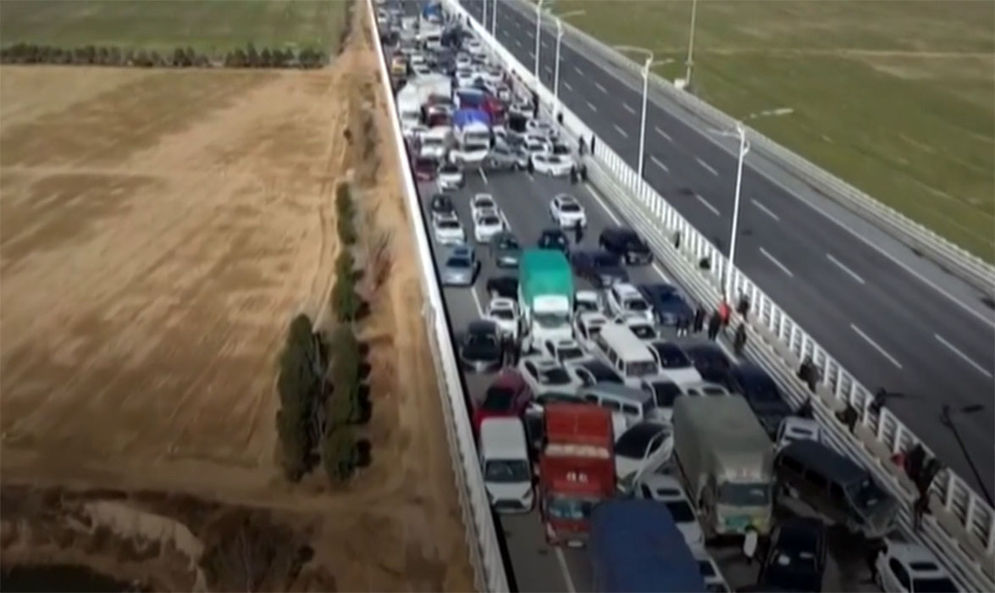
<point>600,268</point>
<point>667,302</point>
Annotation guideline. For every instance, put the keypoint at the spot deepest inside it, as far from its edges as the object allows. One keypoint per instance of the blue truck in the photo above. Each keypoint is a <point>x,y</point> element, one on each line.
<point>635,547</point>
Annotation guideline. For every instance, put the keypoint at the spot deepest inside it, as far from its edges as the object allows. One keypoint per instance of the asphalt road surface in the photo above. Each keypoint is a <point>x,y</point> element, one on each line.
<point>891,318</point>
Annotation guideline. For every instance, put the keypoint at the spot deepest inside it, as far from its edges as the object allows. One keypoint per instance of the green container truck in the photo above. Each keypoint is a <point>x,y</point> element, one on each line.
<point>545,296</point>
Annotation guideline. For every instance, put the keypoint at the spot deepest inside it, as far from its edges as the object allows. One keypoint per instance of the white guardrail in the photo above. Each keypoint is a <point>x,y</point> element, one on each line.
<point>481,534</point>
<point>961,528</point>
<point>955,259</point>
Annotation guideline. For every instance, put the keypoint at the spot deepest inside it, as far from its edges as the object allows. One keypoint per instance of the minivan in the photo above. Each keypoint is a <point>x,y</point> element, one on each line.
<point>628,404</point>
<point>504,461</point>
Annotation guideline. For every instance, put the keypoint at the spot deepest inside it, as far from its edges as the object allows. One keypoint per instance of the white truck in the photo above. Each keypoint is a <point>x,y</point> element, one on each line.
<point>545,296</point>
<point>472,134</point>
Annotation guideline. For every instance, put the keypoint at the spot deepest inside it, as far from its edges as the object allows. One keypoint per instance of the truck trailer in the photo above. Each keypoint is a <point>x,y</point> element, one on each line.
<point>545,296</point>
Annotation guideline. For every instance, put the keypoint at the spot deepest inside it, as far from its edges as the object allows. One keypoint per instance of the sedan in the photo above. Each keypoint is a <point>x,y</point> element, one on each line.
<point>667,489</point>
<point>762,394</point>
<point>565,351</point>
<point>544,375</point>
<point>480,349</point>
<point>460,267</point>
<point>505,250</point>
<point>712,363</point>
<point>502,286</point>
<point>441,206</point>
<point>592,371</point>
<point>625,243</point>
<point>664,392</point>
<point>600,268</point>
<point>508,395</point>
<point>425,168</point>
<point>553,239</point>
<point>796,556</point>
<point>486,224</point>
<point>448,231</point>
<point>450,176</point>
<point>675,364</point>
<point>541,128</point>
<point>641,450</point>
<point>552,164</point>
<point>910,568</point>
<point>667,302</point>
<point>502,158</point>
<point>504,312</point>
<point>481,202</point>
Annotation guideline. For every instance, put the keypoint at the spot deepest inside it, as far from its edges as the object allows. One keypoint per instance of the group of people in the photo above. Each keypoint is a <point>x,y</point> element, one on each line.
<point>717,321</point>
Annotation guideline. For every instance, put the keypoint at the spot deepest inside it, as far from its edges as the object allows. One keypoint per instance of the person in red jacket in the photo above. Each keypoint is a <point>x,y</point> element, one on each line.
<point>724,312</point>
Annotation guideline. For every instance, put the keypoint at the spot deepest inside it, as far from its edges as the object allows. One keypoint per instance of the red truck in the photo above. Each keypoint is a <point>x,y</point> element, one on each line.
<point>576,469</point>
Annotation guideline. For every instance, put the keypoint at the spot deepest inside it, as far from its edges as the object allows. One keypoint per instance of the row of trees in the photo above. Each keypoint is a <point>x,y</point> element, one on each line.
<point>249,57</point>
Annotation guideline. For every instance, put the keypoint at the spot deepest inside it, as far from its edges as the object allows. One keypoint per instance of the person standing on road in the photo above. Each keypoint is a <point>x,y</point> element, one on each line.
<point>583,173</point>
<point>681,326</point>
<point>714,323</point>
<point>573,175</point>
<point>578,233</point>
<point>739,340</point>
<point>699,319</point>
<point>531,168</point>
<point>724,313</point>
<point>592,143</point>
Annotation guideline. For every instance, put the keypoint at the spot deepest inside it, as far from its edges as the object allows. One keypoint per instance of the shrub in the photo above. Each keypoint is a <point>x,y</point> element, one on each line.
<point>338,454</point>
<point>251,56</point>
<point>280,58</point>
<point>347,230</point>
<point>180,59</point>
<point>265,58</point>
<point>344,299</point>
<point>299,384</point>
<point>344,264</point>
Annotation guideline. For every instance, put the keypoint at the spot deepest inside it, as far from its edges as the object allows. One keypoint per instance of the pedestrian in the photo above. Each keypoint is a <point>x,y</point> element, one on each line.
<point>920,509</point>
<point>531,168</point>
<point>507,345</point>
<point>808,373</point>
<point>583,173</point>
<point>699,319</point>
<point>915,462</point>
<point>878,402</point>
<point>682,326</point>
<point>516,351</point>
<point>714,323</point>
<point>739,340</point>
<point>573,175</point>
<point>592,143</point>
<point>581,147</point>
<point>578,233</point>
<point>750,546</point>
<point>743,306</point>
<point>724,312</point>
<point>848,417</point>
<point>559,118</point>
<point>806,410</point>
<point>677,239</point>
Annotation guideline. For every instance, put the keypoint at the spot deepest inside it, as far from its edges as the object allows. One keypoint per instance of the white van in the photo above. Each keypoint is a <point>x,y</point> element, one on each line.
<point>626,353</point>
<point>504,461</point>
<point>629,406</point>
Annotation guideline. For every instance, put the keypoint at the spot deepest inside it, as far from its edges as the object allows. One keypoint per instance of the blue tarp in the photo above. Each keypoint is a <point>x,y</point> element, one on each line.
<point>635,547</point>
<point>461,117</point>
<point>471,97</point>
<point>432,9</point>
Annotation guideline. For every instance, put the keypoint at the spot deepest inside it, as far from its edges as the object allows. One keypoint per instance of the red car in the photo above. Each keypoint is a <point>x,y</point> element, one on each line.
<point>425,168</point>
<point>508,395</point>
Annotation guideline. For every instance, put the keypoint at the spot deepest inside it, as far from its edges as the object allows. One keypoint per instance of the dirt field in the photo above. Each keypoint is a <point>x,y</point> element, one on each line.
<point>157,232</point>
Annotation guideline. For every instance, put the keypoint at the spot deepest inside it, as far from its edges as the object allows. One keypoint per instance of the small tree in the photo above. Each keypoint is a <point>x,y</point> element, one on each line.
<point>114,56</point>
<point>251,56</point>
<point>265,58</point>
<point>338,454</point>
<point>344,299</point>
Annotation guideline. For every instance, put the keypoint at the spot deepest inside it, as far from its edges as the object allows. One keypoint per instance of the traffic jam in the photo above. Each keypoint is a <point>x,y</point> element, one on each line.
<point>600,407</point>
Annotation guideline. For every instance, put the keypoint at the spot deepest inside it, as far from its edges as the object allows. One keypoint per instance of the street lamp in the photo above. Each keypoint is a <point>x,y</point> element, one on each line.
<point>646,81</point>
<point>744,147</point>
<point>947,420</point>
<point>494,4</point>
<point>690,59</point>
<point>559,40</point>
<point>538,34</point>
<point>483,13</point>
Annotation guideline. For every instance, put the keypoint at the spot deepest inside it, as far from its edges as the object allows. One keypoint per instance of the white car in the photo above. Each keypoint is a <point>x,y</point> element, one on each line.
<point>450,177</point>
<point>588,300</point>
<point>567,211</point>
<point>643,329</point>
<point>551,164</point>
<point>472,153</point>
<point>504,312</point>
<point>544,375</point>
<point>674,363</point>
<point>448,231</point>
<point>909,568</point>
<point>541,128</point>
<point>486,224</point>
<point>667,489</point>
<point>794,428</point>
<point>641,450</point>
<point>535,147</point>
<point>465,78</point>
<point>480,203</point>
<point>463,62</point>
<point>565,351</point>
<point>624,298</point>
<point>587,326</point>
<point>474,47</point>
<point>433,143</point>
<point>714,581</point>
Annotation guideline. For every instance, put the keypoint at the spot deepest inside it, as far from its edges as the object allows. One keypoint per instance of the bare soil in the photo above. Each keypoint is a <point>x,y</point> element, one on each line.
<point>158,230</point>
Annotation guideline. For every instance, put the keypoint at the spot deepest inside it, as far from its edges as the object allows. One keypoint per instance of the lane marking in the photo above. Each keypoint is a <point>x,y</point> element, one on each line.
<point>629,108</point>
<point>875,345</point>
<point>482,175</point>
<point>707,167</point>
<point>708,205</point>
<point>532,54</point>
<point>601,88</point>
<point>592,107</point>
<point>531,178</point>
<point>567,86</point>
<point>544,44</point>
<point>518,43</point>
<point>476,300</point>
<point>766,210</point>
<point>840,265</point>
<point>963,356</point>
<point>602,203</point>
<point>773,260</point>
<point>577,70</point>
<point>548,70</point>
<point>620,131</point>
<point>659,163</point>
<point>659,271</point>
<point>664,134</point>
<point>562,560</point>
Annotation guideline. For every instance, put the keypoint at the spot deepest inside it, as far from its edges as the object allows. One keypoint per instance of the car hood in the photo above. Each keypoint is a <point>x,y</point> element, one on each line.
<point>481,352</point>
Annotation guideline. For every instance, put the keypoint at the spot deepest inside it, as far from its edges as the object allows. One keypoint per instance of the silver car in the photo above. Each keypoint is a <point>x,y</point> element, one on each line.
<point>460,266</point>
<point>502,158</point>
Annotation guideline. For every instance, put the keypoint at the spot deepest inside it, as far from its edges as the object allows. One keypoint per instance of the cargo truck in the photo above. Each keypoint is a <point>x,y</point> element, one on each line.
<point>636,547</point>
<point>545,296</point>
<point>726,461</point>
<point>576,470</point>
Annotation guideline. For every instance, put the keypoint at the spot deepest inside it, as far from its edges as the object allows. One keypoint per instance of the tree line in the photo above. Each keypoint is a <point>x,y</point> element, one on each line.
<point>181,57</point>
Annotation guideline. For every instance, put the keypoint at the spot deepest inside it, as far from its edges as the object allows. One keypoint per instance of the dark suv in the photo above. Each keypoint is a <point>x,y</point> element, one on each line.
<point>626,244</point>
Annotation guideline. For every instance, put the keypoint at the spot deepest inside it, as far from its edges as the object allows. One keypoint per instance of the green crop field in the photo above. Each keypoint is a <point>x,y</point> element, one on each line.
<point>895,96</point>
<point>206,25</point>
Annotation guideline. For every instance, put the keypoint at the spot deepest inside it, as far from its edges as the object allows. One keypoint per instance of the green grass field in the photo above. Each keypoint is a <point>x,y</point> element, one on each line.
<point>895,96</point>
<point>206,25</point>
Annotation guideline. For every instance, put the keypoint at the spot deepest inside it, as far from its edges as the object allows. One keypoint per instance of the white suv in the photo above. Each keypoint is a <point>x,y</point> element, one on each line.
<point>625,300</point>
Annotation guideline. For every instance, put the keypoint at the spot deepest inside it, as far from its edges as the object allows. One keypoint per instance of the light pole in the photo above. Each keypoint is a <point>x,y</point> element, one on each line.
<point>744,147</point>
<point>483,13</point>
<point>559,40</point>
<point>646,81</point>
<point>494,4</point>
<point>690,59</point>
<point>538,33</point>
<point>947,420</point>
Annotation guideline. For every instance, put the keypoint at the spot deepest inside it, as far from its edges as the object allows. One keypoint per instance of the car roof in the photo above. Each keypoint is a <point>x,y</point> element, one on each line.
<point>748,370</point>
<point>481,325</point>
<point>503,437</point>
<point>833,465</point>
<point>619,391</point>
<point>655,481</point>
<point>910,553</point>
<point>626,289</point>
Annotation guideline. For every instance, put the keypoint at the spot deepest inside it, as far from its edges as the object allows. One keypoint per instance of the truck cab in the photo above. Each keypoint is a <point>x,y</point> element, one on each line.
<point>504,461</point>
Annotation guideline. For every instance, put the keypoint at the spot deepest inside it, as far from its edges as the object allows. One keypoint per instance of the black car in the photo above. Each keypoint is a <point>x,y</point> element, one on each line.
<point>595,371</point>
<point>712,363</point>
<point>600,268</point>
<point>625,243</point>
<point>503,286</point>
<point>668,303</point>
<point>553,239</point>
<point>670,356</point>
<point>762,394</point>
<point>796,557</point>
<point>480,349</point>
<point>441,204</point>
<point>505,250</point>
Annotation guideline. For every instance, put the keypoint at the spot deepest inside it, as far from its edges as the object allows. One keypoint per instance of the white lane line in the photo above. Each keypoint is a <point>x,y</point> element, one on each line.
<point>577,70</point>
<point>621,131</point>
<point>707,167</point>
<point>659,270</point>
<point>562,560</point>
<point>482,175</point>
<point>664,134</point>
<point>773,260</point>
<point>544,44</point>
<point>840,265</point>
<point>867,339</point>
<point>476,301</point>
<point>531,178</point>
<point>604,206</point>
<point>953,349</point>
<point>592,107</point>
<point>708,205</point>
<point>532,54</point>
<point>567,86</point>
<point>629,108</point>
<point>766,210</point>
<point>659,163</point>
<point>548,69</point>
<point>518,43</point>
<point>601,88</point>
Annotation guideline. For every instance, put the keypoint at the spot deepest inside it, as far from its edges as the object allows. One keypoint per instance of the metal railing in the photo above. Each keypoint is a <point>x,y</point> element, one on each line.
<point>962,530</point>
<point>481,534</point>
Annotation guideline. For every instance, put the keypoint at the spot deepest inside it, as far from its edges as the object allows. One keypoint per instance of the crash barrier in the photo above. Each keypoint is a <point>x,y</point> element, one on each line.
<point>961,531</point>
<point>481,534</point>
<point>920,239</point>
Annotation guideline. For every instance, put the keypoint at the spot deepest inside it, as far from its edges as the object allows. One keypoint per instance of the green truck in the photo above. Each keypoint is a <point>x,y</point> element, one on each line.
<point>545,296</point>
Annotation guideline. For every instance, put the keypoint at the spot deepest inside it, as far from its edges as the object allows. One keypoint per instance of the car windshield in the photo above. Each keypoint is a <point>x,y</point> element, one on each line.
<point>576,509</point>
<point>489,221</point>
<point>664,393</point>
<point>706,569</point>
<point>450,169</point>
<point>934,585</point>
<point>430,141</point>
<point>457,262</point>
<point>551,320</point>
<point>497,399</point>
<point>507,471</point>
<point>641,369</point>
<point>560,149</point>
<point>636,305</point>
<point>449,225</point>
<point>553,376</point>
<point>604,375</point>
<point>508,243</point>
<point>633,444</point>
<point>681,511</point>
<point>483,204</point>
<point>748,494</point>
<point>569,207</point>
<point>569,353</point>
<point>866,495</point>
<point>503,314</point>
<point>643,331</point>
<point>671,357</point>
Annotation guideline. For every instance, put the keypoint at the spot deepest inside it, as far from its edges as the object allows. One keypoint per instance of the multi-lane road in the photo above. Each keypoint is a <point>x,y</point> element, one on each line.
<point>891,318</point>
